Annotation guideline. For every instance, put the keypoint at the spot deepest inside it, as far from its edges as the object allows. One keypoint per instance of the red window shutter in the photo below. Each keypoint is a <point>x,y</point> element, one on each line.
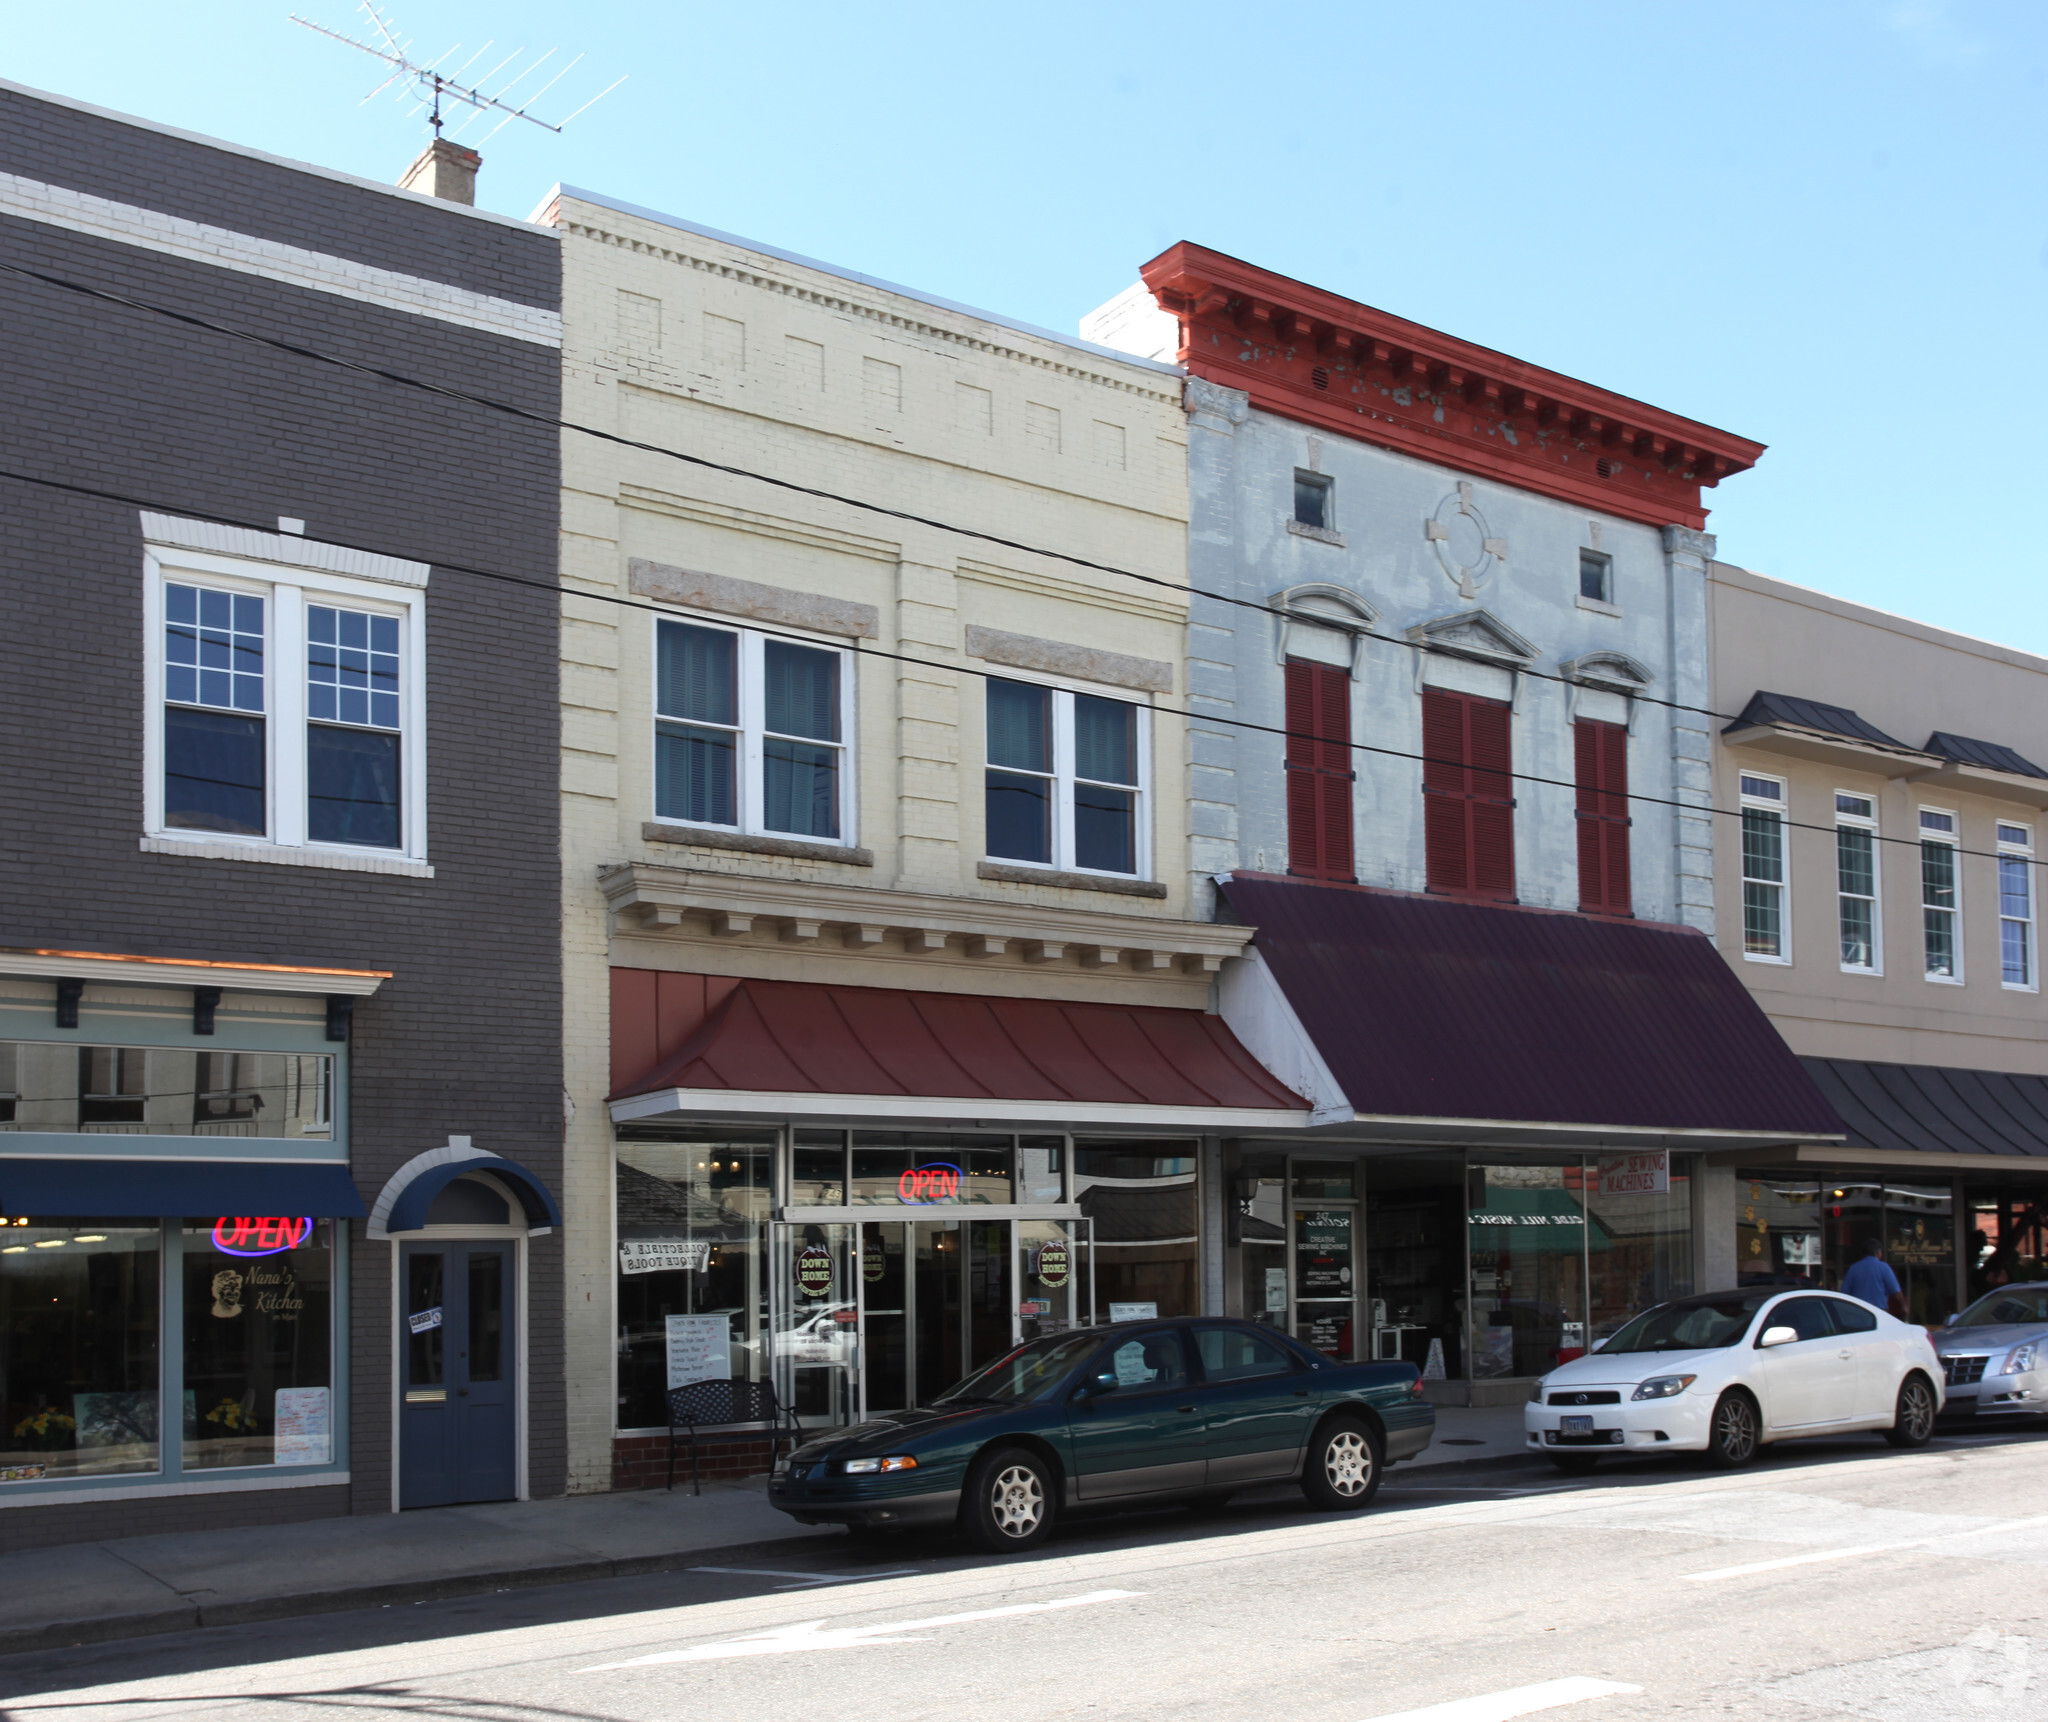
<point>1468,794</point>
<point>1318,719</point>
<point>1601,757</point>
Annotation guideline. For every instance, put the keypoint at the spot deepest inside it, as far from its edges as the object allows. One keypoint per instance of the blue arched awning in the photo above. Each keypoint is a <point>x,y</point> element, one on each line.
<point>405,1201</point>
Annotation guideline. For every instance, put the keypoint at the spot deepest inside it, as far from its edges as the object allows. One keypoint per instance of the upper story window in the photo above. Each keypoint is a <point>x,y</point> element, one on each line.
<point>1856,916</point>
<point>1764,916</point>
<point>1319,773</point>
<point>1066,779</point>
<point>1468,795</point>
<point>1315,501</point>
<point>1596,576</point>
<point>1600,768</point>
<point>750,733</point>
<point>1940,904</point>
<point>286,707</point>
<point>2016,906</point>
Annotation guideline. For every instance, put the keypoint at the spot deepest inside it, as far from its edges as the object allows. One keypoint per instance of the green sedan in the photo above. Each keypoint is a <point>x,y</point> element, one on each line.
<point>1133,1414</point>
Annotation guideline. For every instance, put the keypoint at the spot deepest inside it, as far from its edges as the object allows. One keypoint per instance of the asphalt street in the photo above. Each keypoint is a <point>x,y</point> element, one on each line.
<point>1829,1580</point>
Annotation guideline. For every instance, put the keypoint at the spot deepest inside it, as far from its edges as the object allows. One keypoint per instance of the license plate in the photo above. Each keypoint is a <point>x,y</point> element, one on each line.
<point>1575,1425</point>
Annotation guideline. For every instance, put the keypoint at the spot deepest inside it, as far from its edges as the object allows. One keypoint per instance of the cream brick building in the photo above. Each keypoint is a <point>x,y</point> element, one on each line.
<point>859,859</point>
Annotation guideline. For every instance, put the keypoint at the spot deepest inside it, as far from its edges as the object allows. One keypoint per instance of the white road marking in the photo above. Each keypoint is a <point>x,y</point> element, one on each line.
<point>806,1581</point>
<point>1999,1528</point>
<point>816,1635</point>
<point>1516,1701</point>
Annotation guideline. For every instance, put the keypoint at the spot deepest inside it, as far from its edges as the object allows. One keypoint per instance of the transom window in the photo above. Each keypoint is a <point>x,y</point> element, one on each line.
<point>2016,906</point>
<point>1764,936</point>
<point>1856,881</point>
<point>1065,779</point>
<point>750,732</point>
<point>1939,896</point>
<point>282,707</point>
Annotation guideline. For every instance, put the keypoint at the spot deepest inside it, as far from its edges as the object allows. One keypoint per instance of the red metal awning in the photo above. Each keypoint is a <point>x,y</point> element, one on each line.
<point>797,1047</point>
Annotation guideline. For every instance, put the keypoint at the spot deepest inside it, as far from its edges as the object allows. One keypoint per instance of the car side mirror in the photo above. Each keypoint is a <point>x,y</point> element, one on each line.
<point>1096,1385</point>
<point>1951,1320</point>
<point>1779,1336</point>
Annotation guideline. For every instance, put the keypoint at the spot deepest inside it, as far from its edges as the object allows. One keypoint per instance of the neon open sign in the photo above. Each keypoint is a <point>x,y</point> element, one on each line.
<point>938,1182</point>
<point>259,1237</point>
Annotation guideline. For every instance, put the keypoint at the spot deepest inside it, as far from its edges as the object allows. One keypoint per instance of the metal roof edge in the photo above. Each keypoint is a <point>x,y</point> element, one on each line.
<point>874,281</point>
<point>252,154</point>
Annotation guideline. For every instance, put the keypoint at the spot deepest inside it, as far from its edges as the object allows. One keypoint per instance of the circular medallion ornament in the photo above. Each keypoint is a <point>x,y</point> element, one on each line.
<point>814,1270</point>
<point>1054,1264</point>
<point>1463,542</point>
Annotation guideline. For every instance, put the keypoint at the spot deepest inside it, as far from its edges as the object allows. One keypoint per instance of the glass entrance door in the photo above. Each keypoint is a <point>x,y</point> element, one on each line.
<point>936,1304</point>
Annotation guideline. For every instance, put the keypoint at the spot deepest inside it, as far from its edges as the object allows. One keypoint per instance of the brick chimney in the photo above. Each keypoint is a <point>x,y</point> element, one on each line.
<point>444,170</point>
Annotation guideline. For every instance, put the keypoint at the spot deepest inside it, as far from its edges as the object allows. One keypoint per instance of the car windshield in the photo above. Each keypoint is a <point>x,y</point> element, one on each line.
<point>1026,1372</point>
<point>2007,1305</point>
<point>1692,1324</point>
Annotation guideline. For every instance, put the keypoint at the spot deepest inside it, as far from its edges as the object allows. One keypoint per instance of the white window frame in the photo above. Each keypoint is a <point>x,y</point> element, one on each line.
<point>2024,852</point>
<point>750,790</point>
<point>1861,822</point>
<point>1953,839</point>
<point>1063,691</point>
<point>1783,884</point>
<point>286,592</point>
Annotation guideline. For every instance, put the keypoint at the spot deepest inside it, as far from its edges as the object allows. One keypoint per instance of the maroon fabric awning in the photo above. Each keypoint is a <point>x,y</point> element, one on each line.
<point>799,1038</point>
<point>1423,1008</point>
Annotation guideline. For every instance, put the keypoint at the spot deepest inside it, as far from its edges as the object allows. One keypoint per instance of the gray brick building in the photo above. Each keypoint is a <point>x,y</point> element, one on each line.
<point>281,1108</point>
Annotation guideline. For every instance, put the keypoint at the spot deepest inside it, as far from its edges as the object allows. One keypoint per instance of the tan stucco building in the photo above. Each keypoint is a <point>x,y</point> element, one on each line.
<point>1877,887</point>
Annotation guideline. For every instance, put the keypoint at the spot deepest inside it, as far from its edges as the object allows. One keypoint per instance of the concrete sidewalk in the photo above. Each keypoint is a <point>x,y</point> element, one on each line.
<point>83,1593</point>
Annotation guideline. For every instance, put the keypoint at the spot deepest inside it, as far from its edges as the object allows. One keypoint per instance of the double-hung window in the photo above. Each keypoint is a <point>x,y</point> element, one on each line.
<point>1764,933</point>
<point>2016,906</point>
<point>285,709</point>
<point>1066,779</point>
<point>1856,916</point>
<point>750,733</point>
<point>1939,896</point>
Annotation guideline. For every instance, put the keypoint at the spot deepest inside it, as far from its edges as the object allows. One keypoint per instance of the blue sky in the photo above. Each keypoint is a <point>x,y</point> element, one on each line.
<point>1823,225</point>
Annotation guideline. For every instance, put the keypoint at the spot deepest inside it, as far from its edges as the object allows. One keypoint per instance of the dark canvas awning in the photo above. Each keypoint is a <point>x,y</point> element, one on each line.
<point>1945,1115</point>
<point>1465,1021</point>
<point>160,1189</point>
<point>794,1047</point>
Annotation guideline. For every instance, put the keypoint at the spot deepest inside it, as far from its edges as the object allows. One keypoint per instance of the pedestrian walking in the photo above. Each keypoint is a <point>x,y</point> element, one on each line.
<point>1872,1281</point>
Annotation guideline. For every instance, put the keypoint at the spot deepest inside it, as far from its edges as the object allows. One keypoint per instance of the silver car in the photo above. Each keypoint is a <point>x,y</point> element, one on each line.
<point>1995,1354</point>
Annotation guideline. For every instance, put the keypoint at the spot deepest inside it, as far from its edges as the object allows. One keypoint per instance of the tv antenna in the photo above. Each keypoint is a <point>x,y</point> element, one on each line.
<point>431,84</point>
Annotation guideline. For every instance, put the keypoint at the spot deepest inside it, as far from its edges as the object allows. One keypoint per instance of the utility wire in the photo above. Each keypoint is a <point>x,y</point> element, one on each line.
<point>491,404</point>
<point>560,591</point>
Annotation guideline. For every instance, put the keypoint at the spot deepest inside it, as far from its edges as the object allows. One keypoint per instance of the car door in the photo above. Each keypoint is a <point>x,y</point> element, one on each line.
<point>1134,1421</point>
<point>1256,1404</point>
<point>1880,1359</point>
<point>1810,1381</point>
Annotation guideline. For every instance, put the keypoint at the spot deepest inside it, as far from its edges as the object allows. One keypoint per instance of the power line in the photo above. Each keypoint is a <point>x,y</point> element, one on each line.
<point>403,380</point>
<point>858,650</point>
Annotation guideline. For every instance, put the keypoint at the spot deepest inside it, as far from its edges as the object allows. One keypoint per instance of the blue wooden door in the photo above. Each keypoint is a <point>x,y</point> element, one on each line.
<point>457,1437</point>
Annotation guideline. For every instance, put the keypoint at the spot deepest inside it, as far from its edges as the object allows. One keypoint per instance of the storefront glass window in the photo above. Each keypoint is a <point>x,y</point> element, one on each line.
<point>2009,1239</point>
<point>259,1323</point>
<point>1262,1251</point>
<point>164,1091</point>
<point>1794,1231</point>
<point>1141,1196</point>
<point>1920,1244</point>
<point>817,1176</point>
<point>692,1219</point>
<point>1638,1238</point>
<point>899,1168</point>
<point>1528,1241</point>
<point>1415,1260</point>
<point>1777,1230</point>
<point>1041,1169</point>
<point>78,1347</point>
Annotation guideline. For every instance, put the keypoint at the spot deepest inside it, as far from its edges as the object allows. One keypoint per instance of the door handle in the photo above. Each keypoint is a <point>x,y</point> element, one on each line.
<point>1183,1408</point>
<point>462,1393</point>
<point>1845,1355</point>
<point>1301,1393</point>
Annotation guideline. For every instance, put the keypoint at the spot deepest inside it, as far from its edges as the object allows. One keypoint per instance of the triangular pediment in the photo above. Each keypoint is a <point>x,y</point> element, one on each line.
<point>1616,670</point>
<point>1476,634</point>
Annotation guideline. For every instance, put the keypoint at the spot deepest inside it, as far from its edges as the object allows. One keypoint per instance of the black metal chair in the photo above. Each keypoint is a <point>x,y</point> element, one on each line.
<point>723,1405</point>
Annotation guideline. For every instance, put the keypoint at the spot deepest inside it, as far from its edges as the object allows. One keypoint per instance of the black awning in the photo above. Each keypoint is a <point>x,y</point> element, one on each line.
<point>163,1189</point>
<point>1929,1109</point>
<point>1428,1009</point>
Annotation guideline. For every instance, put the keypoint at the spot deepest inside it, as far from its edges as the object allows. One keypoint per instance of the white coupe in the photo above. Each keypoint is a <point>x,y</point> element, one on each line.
<point>1724,1373</point>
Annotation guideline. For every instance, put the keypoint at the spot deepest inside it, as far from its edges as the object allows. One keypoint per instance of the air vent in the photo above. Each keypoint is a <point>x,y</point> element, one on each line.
<point>1605,468</point>
<point>1320,376</point>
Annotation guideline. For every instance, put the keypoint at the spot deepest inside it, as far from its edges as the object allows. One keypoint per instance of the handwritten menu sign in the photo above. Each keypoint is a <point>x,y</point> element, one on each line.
<point>699,1349</point>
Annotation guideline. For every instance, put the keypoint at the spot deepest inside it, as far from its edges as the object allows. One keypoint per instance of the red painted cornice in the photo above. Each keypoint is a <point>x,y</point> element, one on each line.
<point>1347,368</point>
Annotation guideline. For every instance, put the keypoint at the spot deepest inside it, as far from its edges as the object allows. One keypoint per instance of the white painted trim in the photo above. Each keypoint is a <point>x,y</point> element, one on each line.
<point>49,1497</point>
<point>280,547</point>
<point>215,847</point>
<point>723,1102</point>
<point>1259,1013</point>
<point>151,971</point>
<point>292,265</point>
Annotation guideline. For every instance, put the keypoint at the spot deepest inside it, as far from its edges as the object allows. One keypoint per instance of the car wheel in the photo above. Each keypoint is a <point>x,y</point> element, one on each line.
<point>1344,1467</point>
<point>1008,1503</point>
<point>1574,1464</point>
<point>1913,1425</point>
<point>1735,1432</point>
